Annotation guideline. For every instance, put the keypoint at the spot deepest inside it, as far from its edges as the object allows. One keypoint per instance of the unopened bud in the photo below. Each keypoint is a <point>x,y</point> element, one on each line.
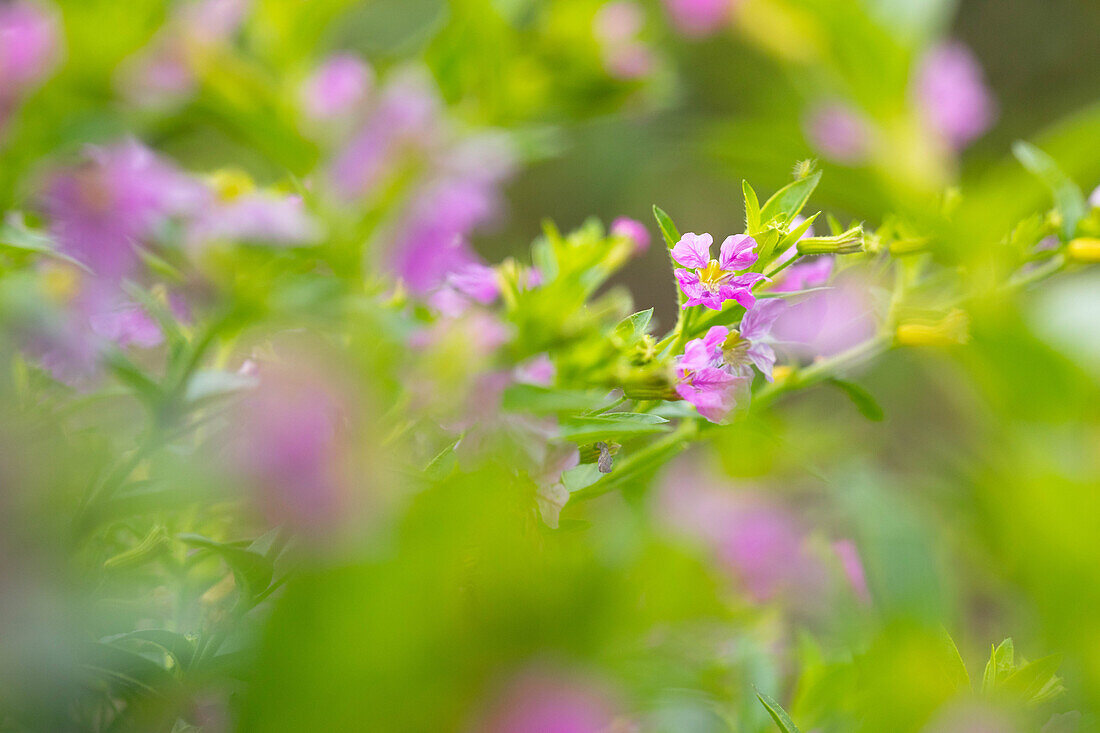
<point>954,328</point>
<point>845,243</point>
<point>1084,249</point>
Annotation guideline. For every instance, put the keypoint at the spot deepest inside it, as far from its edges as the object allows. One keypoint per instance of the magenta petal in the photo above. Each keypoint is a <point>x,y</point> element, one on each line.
<point>714,339</point>
<point>736,253</point>
<point>763,358</point>
<point>693,250</point>
<point>757,323</point>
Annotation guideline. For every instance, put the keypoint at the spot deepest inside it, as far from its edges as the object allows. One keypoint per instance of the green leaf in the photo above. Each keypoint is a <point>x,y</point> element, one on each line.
<point>861,398</point>
<point>634,326</point>
<point>616,426</point>
<point>129,673</point>
<point>752,208</point>
<point>252,570</point>
<point>668,229</point>
<point>580,477</point>
<point>1068,198</point>
<point>1000,662</point>
<point>779,715</point>
<point>790,199</point>
<point>541,400</point>
<point>1030,679</point>
<point>796,234</point>
<point>177,645</point>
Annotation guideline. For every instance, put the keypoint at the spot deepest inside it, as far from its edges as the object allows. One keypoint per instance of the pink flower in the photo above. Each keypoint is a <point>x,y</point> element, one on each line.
<point>952,94</point>
<point>699,17</point>
<point>550,701</point>
<point>810,273</point>
<point>618,21</point>
<point>287,445</point>
<point>759,542</point>
<point>406,116</point>
<point>755,332</point>
<point>852,566</point>
<point>702,379</point>
<point>476,281</point>
<point>633,230</point>
<point>712,282</point>
<point>117,199</point>
<point>839,133</point>
<point>537,370</point>
<point>29,45</point>
<point>258,217</point>
<point>338,86</point>
<point>830,321</point>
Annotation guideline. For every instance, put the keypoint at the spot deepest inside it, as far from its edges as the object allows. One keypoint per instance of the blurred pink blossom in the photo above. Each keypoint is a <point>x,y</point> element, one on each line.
<point>633,230</point>
<point>550,701</point>
<point>699,17</point>
<point>952,94</point>
<point>115,200</point>
<point>838,132</point>
<point>828,322</point>
<point>338,86</point>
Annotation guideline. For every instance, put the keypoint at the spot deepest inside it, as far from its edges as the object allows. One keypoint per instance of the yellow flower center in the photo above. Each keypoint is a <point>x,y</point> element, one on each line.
<point>711,276</point>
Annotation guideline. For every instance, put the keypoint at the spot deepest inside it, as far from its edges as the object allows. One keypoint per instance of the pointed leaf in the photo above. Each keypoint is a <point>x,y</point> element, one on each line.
<point>861,398</point>
<point>252,570</point>
<point>779,715</point>
<point>668,229</point>
<point>752,208</point>
<point>790,199</point>
<point>1068,198</point>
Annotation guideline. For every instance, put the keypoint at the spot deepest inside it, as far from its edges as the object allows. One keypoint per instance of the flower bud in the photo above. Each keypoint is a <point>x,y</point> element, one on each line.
<point>953,328</point>
<point>845,243</point>
<point>1084,249</point>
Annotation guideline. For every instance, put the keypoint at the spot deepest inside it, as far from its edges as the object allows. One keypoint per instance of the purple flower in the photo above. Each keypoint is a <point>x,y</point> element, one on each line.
<point>29,41</point>
<point>476,281</point>
<point>830,321</point>
<point>287,445</point>
<point>117,199</point>
<point>338,86</point>
<point>702,379</point>
<point>852,566</point>
<point>951,92</point>
<point>430,242</point>
<point>406,116</point>
<point>126,324</point>
<point>537,370</point>
<point>261,217</point>
<point>550,701</point>
<point>759,542</point>
<point>755,331</point>
<point>712,282</point>
<point>811,273</point>
<point>628,60</point>
<point>1094,198</point>
<point>839,133</point>
<point>618,21</point>
<point>633,230</point>
<point>699,17</point>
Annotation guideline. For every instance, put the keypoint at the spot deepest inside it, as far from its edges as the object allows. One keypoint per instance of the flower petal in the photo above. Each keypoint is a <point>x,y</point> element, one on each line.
<point>757,323</point>
<point>693,250</point>
<point>736,253</point>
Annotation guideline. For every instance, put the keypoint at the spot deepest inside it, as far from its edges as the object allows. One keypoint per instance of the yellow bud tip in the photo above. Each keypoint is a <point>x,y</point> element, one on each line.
<point>1084,249</point>
<point>61,282</point>
<point>953,328</point>
<point>231,183</point>
<point>782,373</point>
